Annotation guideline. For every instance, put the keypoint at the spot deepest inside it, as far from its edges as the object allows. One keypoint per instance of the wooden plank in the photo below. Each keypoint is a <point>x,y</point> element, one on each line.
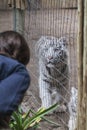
<point>19,4</point>
<point>59,3</point>
<point>84,105</point>
<point>80,64</point>
<point>19,20</point>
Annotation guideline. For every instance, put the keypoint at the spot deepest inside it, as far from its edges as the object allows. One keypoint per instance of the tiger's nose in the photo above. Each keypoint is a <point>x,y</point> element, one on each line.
<point>50,57</point>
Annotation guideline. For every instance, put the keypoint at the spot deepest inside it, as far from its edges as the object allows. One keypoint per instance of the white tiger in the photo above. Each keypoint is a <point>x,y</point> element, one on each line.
<point>53,71</point>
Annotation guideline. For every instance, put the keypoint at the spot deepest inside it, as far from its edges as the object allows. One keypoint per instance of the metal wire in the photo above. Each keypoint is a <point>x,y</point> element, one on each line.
<point>50,18</point>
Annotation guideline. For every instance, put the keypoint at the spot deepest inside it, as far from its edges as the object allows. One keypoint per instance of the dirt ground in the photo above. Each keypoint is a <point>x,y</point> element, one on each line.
<point>46,22</point>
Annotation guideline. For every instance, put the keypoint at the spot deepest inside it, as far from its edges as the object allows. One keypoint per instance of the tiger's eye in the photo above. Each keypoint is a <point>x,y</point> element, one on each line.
<point>56,49</point>
<point>59,47</point>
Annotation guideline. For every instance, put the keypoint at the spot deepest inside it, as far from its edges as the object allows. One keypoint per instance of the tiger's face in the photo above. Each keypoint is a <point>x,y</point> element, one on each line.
<point>53,51</point>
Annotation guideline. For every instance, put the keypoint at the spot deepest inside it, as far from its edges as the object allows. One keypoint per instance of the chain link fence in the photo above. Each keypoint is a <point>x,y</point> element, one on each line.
<point>51,18</point>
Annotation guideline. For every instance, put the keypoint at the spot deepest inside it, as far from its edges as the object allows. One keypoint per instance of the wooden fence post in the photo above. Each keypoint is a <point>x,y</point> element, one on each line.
<point>18,14</point>
<point>80,59</point>
<point>18,20</point>
<point>84,101</point>
<point>82,65</point>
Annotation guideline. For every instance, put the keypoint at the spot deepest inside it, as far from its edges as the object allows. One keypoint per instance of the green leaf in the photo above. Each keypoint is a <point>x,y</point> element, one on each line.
<point>51,122</point>
<point>22,123</point>
<point>26,115</point>
<point>18,119</point>
<point>37,115</point>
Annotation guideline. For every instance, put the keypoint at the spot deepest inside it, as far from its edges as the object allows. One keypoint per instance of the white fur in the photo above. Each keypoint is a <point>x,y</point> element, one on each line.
<point>72,109</point>
<point>49,93</point>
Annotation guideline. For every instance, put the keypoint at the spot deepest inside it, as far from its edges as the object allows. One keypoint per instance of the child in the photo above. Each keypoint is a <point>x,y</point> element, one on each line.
<point>14,78</point>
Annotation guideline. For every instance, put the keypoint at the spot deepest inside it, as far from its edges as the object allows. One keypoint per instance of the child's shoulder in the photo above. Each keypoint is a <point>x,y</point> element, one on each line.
<point>9,65</point>
<point>8,60</point>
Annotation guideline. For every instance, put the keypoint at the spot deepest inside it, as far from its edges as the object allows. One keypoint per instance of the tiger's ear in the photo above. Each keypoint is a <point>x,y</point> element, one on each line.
<point>63,41</point>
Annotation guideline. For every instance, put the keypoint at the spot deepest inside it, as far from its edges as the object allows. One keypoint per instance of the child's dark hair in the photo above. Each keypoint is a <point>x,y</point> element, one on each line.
<point>12,44</point>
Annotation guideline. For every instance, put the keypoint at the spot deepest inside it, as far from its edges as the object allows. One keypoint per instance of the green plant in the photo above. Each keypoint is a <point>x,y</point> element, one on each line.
<point>30,119</point>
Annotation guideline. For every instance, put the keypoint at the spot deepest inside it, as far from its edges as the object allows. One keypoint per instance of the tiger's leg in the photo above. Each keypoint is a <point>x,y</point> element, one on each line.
<point>56,98</point>
<point>45,94</point>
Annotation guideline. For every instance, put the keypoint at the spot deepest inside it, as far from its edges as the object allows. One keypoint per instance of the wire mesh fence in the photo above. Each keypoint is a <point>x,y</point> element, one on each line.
<point>51,19</point>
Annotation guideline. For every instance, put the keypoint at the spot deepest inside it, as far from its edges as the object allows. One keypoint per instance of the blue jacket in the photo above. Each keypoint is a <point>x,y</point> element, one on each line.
<point>14,81</point>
